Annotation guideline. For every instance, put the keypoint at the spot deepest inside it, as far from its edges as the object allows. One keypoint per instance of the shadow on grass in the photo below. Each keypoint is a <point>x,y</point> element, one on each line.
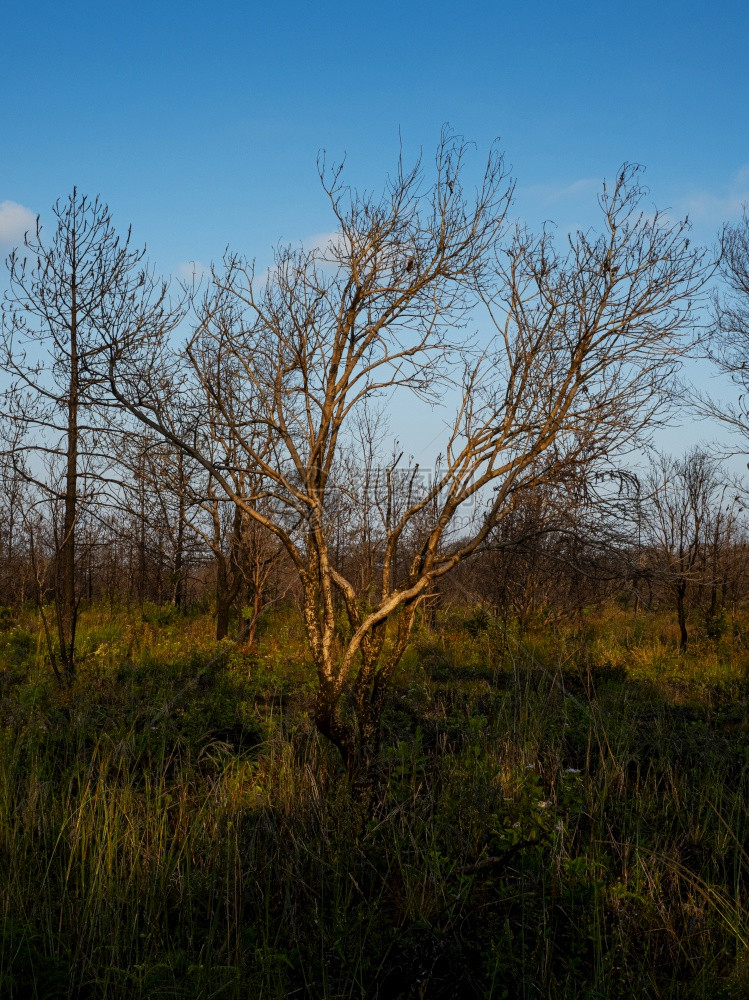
<point>553,832</point>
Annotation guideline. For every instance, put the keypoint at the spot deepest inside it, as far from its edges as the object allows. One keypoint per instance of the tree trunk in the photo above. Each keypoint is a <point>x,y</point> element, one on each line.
<point>65,589</point>
<point>223,599</point>
<point>250,632</point>
<point>179,555</point>
<point>179,573</point>
<point>681,589</point>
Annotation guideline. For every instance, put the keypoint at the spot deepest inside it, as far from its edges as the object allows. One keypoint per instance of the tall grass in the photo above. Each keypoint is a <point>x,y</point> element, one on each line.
<point>561,815</point>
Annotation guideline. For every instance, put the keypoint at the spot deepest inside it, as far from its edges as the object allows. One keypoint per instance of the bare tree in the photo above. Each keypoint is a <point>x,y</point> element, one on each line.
<point>245,556</point>
<point>245,552</point>
<point>687,519</point>
<point>15,575</point>
<point>156,494</point>
<point>586,340</point>
<point>728,340</point>
<point>67,298</point>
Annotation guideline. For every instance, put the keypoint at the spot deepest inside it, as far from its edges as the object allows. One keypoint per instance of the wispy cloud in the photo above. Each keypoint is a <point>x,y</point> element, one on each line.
<point>568,206</point>
<point>551,194</point>
<point>15,220</point>
<point>724,205</point>
<point>195,271</point>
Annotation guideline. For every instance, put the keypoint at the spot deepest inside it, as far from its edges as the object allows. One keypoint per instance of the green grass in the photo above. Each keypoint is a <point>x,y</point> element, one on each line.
<point>564,813</point>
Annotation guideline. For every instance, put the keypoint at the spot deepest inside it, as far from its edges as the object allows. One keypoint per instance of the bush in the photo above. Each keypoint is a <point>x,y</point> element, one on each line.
<point>16,647</point>
<point>478,622</point>
<point>160,614</point>
<point>716,625</point>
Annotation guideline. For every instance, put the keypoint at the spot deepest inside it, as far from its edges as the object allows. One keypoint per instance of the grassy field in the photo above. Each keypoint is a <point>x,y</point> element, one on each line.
<point>564,813</point>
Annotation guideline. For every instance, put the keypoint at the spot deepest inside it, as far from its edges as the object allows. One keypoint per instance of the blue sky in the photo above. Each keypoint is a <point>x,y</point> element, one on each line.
<point>200,124</point>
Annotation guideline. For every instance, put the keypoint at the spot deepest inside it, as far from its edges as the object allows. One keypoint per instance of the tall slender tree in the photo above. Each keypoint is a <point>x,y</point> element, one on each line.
<point>67,295</point>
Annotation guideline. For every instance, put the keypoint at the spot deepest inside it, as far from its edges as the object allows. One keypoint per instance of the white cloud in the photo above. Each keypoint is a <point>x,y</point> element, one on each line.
<point>322,241</point>
<point>192,270</point>
<point>15,220</point>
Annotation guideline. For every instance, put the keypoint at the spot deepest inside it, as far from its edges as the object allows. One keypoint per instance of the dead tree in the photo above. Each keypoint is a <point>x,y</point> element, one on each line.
<point>67,297</point>
<point>585,341</point>
<point>688,518</point>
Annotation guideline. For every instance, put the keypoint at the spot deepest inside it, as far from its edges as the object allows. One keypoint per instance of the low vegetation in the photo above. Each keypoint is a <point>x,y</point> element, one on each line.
<point>562,811</point>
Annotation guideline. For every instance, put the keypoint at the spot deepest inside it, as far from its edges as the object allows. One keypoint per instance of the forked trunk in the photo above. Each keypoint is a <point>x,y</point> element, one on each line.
<point>249,631</point>
<point>329,723</point>
<point>358,737</point>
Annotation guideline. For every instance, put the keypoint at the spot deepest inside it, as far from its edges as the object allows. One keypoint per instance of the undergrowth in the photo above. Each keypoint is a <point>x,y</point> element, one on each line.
<point>563,813</point>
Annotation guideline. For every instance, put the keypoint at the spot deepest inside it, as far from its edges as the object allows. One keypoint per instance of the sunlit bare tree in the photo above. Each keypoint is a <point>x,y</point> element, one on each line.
<point>584,341</point>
